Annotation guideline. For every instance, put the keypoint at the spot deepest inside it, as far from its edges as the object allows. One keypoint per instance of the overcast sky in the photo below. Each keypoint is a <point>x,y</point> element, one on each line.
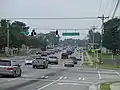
<point>58,8</point>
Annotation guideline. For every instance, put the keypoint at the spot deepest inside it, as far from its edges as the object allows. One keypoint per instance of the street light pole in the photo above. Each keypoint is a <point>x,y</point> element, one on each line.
<point>93,41</point>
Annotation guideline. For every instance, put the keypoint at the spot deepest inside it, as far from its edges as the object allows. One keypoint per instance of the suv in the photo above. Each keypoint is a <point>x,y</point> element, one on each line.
<point>40,62</point>
<point>10,67</point>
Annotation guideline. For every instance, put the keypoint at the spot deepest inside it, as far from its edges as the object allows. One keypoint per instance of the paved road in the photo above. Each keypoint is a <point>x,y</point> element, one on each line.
<point>58,77</point>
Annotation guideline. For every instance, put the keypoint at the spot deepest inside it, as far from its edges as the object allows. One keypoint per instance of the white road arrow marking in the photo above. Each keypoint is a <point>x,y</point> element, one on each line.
<point>79,78</point>
<point>65,77</point>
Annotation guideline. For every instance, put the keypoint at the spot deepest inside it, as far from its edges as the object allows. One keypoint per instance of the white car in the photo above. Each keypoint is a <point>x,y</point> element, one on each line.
<point>29,61</point>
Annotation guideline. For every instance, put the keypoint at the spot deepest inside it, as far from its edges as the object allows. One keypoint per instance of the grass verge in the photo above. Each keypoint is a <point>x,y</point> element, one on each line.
<point>108,66</point>
<point>105,86</point>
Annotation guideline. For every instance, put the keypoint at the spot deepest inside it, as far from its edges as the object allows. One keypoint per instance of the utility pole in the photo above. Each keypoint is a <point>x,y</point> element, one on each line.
<point>103,19</point>
<point>8,38</point>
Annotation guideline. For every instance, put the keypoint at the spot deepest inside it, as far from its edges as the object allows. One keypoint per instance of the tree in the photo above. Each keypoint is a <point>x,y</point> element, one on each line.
<point>111,36</point>
<point>17,39</point>
<point>97,37</point>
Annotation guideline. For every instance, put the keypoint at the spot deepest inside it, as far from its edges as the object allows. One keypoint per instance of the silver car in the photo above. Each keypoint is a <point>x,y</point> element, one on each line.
<point>40,62</point>
<point>69,62</point>
<point>29,61</point>
<point>10,67</point>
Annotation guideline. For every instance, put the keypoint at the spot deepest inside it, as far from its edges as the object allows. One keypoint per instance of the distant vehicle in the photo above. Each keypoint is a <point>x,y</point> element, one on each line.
<point>69,52</point>
<point>29,61</point>
<point>74,59</point>
<point>10,67</point>
<point>40,62</point>
<point>53,59</point>
<point>39,52</point>
<point>64,56</point>
<point>69,62</point>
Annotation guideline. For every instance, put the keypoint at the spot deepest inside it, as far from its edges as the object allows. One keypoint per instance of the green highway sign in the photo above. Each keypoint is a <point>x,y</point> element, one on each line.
<point>24,33</point>
<point>71,34</point>
<point>118,28</point>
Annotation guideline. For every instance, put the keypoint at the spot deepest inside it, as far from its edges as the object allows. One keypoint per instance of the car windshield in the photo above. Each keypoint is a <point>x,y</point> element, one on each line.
<point>29,59</point>
<point>52,57</point>
<point>44,55</point>
<point>5,63</point>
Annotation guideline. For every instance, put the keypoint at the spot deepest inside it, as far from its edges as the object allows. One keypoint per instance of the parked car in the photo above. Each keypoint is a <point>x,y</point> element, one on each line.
<point>69,62</point>
<point>40,62</point>
<point>10,67</point>
<point>53,59</point>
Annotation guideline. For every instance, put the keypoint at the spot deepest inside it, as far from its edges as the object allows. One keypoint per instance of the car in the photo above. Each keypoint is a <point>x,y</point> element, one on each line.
<point>10,68</point>
<point>64,56</point>
<point>74,59</point>
<point>69,62</point>
<point>44,55</point>
<point>29,61</point>
<point>53,59</point>
<point>39,52</point>
<point>40,62</point>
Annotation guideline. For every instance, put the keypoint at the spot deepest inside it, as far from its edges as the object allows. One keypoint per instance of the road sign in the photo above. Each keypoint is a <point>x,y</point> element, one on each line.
<point>118,28</point>
<point>24,33</point>
<point>71,34</point>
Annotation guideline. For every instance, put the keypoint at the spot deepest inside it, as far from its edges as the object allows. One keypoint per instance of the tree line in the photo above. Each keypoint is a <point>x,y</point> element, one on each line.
<point>111,35</point>
<point>16,38</point>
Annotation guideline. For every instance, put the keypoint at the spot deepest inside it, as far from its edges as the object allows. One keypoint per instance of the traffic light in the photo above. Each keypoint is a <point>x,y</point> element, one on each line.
<point>33,32</point>
<point>56,32</point>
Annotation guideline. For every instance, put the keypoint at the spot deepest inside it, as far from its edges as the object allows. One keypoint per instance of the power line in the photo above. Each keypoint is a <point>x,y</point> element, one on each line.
<point>100,7</point>
<point>112,7</point>
<point>51,18</point>
<point>60,29</point>
<point>106,7</point>
<point>116,7</point>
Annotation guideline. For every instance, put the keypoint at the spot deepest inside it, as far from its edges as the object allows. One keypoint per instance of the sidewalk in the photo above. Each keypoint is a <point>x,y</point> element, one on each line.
<point>115,86</point>
<point>90,61</point>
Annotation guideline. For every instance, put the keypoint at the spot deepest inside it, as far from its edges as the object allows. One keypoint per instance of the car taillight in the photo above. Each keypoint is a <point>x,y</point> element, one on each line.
<point>9,68</point>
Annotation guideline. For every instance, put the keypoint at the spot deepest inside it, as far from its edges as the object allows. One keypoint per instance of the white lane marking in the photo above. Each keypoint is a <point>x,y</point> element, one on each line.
<point>12,79</point>
<point>65,77</point>
<point>49,84</point>
<point>42,76</point>
<point>99,75</point>
<point>83,78</point>
<point>117,73</point>
<point>79,78</point>
<point>68,84</point>
<point>25,75</point>
<point>46,77</point>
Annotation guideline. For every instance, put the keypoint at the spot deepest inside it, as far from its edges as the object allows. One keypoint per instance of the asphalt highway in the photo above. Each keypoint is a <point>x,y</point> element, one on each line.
<point>58,77</point>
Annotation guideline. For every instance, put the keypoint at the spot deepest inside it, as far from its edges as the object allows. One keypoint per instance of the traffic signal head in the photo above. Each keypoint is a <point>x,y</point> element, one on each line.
<point>33,32</point>
<point>56,32</point>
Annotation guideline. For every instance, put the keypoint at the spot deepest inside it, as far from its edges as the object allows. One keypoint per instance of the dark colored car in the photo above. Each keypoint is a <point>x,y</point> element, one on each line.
<point>74,59</point>
<point>64,56</point>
